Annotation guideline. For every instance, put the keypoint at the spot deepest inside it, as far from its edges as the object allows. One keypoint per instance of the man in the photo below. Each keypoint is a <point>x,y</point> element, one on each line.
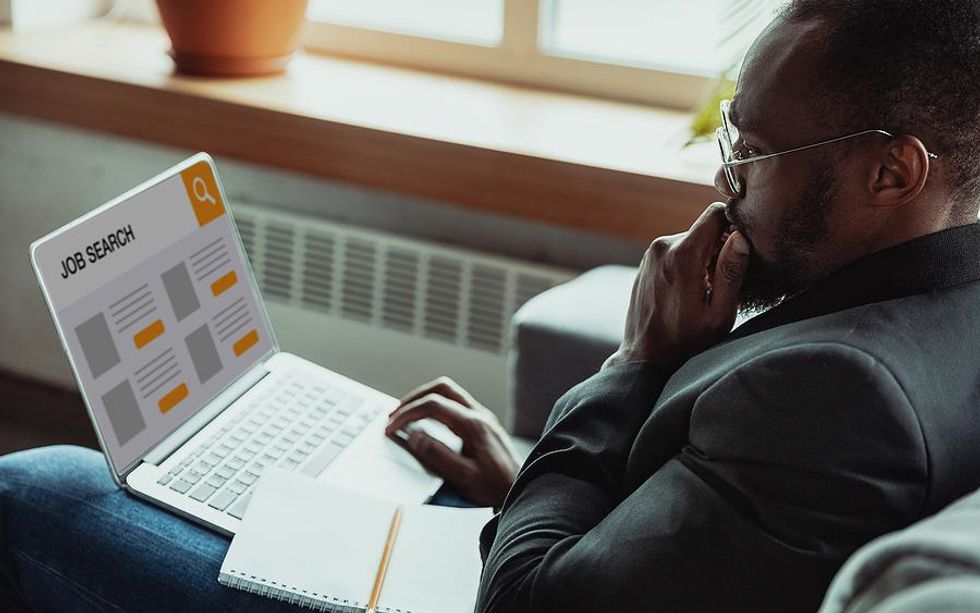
<point>708,471</point>
<point>700,470</point>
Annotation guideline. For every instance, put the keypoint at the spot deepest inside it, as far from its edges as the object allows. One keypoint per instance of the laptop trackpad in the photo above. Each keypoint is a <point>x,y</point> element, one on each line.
<point>376,466</point>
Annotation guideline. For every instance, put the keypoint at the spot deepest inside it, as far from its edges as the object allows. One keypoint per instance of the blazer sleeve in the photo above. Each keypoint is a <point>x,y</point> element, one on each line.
<point>794,460</point>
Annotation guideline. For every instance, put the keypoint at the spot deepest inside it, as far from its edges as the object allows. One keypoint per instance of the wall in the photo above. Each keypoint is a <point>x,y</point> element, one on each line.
<point>50,174</point>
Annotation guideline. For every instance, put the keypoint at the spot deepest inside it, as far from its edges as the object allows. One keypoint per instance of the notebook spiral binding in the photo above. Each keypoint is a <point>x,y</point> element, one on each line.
<point>291,594</point>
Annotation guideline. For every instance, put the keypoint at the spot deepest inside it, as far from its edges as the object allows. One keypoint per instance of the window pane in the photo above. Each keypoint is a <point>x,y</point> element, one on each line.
<point>473,21</point>
<point>696,36</point>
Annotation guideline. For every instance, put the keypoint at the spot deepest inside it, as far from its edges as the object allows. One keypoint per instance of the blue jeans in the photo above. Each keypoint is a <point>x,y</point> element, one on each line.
<point>71,540</point>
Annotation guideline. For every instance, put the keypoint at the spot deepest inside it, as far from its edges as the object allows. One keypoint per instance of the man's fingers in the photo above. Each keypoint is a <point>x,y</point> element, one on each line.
<point>733,262</point>
<point>440,459</point>
<point>707,229</point>
<point>440,408</point>
<point>444,386</point>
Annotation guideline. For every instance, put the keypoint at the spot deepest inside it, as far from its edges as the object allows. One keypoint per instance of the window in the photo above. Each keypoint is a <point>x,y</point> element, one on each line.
<point>650,51</point>
<point>478,22</point>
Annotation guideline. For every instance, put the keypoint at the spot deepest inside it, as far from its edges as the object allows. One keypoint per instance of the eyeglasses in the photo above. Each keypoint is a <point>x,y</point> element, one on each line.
<point>730,157</point>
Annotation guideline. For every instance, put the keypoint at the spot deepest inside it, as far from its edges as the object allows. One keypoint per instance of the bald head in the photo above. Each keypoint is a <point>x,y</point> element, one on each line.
<point>778,69</point>
<point>904,66</point>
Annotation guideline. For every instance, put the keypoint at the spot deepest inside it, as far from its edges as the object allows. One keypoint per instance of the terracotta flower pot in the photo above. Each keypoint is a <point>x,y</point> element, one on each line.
<point>232,37</point>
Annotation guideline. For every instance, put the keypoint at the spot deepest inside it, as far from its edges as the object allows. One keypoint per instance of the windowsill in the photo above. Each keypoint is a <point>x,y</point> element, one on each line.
<point>602,166</point>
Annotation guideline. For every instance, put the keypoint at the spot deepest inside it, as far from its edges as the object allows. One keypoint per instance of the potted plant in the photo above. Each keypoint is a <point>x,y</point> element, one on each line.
<point>232,37</point>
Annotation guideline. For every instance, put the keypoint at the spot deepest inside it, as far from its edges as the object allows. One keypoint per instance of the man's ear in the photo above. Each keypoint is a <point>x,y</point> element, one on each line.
<point>900,173</point>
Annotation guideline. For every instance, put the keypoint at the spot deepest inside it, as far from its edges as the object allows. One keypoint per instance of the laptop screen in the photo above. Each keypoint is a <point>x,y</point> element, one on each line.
<point>155,305</point>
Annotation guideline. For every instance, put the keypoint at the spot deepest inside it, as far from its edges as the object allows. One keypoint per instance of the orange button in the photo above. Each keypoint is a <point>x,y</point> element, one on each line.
<point>242,345</point>
<point>173,397</point>
<point>146,335</point>
<point>202,189</point>
<point>222,284</point>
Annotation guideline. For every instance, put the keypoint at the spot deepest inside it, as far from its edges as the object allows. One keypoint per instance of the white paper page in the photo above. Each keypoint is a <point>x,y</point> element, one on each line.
<point>311,536</point>
<point>435,567</point>
<point>304,534</point>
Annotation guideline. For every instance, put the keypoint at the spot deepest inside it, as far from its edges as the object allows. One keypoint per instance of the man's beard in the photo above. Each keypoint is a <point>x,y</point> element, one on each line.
<point>799,228</point>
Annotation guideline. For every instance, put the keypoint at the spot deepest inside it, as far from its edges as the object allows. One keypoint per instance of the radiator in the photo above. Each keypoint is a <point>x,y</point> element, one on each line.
<point>390,311</point>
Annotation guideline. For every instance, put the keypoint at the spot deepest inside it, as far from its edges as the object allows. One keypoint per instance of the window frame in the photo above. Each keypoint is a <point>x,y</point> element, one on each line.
<point>519,58</point>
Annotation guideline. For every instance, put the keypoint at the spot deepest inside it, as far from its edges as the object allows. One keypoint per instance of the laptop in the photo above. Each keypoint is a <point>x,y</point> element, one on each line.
<point>173,351</point>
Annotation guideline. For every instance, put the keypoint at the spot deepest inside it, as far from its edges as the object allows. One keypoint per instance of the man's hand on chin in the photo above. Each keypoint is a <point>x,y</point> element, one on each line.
<point>685,296</point>
<point>485,467</point>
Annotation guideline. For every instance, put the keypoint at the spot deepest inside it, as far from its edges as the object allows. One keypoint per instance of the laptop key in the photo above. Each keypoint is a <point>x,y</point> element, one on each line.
<point>222,500</point>
<point>248,478</point>
<point>271,456</point>
<point>334,395</point>
<point>238,509</point>
<point>165,479</point>
<point>181,486</point>
<point>316,464</point>
<point>203,492</point>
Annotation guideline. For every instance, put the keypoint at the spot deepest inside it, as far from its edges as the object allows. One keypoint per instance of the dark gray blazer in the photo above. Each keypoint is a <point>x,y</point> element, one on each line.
<point>743,480</point>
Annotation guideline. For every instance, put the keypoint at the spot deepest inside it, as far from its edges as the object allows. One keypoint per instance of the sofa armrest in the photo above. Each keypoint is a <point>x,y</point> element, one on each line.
<point>933,565</point>
<point>561,337</point>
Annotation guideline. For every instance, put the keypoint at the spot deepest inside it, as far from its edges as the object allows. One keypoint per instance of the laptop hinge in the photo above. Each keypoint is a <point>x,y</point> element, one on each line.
<point>203,417</point>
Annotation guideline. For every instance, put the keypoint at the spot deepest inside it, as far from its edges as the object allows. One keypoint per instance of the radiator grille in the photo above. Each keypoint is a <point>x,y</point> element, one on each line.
<point>401,283</point>
<point>277,272</point>
<point>318,271</point>
<point>411,286</point>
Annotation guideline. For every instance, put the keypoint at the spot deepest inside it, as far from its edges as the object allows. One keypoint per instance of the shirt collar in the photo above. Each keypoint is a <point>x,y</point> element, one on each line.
<point>928,263</point>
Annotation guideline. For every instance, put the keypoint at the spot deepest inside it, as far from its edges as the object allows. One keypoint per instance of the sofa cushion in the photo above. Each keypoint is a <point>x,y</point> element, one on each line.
<point>561,337</point>
<point>933,565</point>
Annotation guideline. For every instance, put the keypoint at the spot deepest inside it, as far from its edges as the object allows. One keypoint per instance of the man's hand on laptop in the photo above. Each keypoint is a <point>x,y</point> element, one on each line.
<point>686,293</point>
<point>485,467</point>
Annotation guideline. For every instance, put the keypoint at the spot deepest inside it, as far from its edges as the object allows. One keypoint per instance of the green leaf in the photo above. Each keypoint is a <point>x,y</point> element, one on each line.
<point>708,118</point>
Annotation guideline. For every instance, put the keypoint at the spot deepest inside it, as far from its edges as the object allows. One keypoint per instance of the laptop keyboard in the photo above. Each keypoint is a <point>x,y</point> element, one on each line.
<point>298,423</point>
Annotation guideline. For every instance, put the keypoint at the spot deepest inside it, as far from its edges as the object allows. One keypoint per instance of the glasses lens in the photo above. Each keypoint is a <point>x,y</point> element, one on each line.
<point>733,181</point>
<point>725,146</point>
<point>726,122</point>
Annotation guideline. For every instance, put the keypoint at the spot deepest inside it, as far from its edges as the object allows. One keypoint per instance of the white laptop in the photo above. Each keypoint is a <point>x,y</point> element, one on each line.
<point>168,338</point>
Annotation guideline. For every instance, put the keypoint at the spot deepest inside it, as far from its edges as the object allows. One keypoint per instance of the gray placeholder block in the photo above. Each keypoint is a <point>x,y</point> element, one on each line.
<point>124,412</point>
<point>97,345</point>
<point>180,290</point>
<point>204,354</point>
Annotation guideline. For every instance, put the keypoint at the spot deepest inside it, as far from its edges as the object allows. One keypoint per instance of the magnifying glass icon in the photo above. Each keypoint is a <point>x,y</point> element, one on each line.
<point>201,190</point>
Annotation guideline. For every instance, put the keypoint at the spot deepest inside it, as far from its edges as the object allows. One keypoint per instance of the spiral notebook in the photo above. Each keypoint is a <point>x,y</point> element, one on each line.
<point>320,546</point>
